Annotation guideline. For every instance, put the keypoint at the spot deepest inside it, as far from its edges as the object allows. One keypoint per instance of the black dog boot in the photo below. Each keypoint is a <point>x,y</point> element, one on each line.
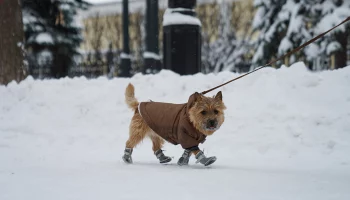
<point>204,160</point>
<point>161,157</point>
<point>127,155</point>
<point>185,158</point>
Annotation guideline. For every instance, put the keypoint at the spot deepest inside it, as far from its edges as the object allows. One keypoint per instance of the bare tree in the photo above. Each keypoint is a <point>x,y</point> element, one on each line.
<point>94,29</point>
<point>242,17</point>
<point>225,34</point>
<point>136,38</point>
<point>114,30</point>
<point>11,42</point>
<point>209,19</point>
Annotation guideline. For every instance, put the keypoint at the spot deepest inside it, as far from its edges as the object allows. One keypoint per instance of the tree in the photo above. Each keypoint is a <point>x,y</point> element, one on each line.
<point>96,28</point>
<point>209,22</point>
<point>11,42</point>
<point>137,38</point>
<point>226,51</point>
<point>288,24</point>
<point>50,26</point>
<point>271,29</point>
<point>325,15</point>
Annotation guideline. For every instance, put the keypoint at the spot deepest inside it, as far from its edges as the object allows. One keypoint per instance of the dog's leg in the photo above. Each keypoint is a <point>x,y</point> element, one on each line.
<point>185,158</point>
<point>158,143</point>
<point>201,158</point>
<point>137,132</point>
<point>134,139</point>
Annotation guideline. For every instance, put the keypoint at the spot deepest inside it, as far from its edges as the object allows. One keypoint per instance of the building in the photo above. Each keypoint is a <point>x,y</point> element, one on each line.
<point>102,25</point>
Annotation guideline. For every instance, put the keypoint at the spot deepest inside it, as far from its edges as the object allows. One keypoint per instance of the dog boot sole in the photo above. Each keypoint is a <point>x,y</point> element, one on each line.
<point>166,160</point>
<point>127,161</point>
<point>210,161</point>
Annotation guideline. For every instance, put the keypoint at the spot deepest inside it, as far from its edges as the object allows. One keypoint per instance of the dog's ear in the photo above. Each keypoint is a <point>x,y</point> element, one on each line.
<point>193,98</point>
<point>218,96</point>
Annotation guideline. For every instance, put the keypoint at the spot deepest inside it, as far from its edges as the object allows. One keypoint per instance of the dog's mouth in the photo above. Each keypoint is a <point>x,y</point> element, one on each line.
<point>211,128</point>
<point>211,125</point>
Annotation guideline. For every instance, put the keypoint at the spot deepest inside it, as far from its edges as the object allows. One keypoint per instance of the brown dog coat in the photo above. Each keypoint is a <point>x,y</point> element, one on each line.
<point>171,122</point>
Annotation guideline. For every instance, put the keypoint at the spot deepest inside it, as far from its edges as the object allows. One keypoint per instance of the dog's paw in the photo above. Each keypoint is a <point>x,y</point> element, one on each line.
<point>127,159</point>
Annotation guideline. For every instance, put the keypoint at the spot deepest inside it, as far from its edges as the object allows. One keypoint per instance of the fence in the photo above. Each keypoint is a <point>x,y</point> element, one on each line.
<point>90,65</point>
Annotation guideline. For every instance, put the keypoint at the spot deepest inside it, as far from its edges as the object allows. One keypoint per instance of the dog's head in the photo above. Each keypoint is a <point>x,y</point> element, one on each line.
<point>206,113</point>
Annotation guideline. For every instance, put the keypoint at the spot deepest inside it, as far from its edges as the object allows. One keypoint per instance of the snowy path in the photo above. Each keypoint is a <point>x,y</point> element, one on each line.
<point>57,171</point>
<point>62,175</point>
<point>286,136</point>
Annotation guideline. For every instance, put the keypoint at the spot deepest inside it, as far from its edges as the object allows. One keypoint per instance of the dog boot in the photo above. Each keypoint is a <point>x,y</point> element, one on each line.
<point>161,157</point>
<point>204,160</point>
<point>127,155</point>
<point>185,158</point>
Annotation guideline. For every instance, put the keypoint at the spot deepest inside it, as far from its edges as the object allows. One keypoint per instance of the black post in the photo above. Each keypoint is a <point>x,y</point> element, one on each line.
<point>182,38</point>
<point>125,66</point>
<point>151,55</point>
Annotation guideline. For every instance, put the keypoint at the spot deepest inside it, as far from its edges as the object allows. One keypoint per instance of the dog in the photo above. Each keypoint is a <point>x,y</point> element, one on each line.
<point>187,124</point>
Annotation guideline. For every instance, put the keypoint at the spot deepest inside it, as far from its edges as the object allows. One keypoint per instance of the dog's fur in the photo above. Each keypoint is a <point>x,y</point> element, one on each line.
<point>206,115</point>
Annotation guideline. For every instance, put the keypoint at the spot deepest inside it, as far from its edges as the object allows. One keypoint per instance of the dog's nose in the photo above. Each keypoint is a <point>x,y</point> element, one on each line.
<point>212,122</point>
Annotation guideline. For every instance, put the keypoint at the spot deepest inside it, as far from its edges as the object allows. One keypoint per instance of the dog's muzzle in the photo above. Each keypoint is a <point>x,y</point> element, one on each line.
<point>211,125</point>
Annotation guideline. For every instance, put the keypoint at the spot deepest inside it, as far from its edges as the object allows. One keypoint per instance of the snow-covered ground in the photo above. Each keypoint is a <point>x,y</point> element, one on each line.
<point>286,137</point>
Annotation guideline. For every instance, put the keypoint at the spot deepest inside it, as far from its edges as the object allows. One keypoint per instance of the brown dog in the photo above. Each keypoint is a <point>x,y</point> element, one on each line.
<point>187,124</point>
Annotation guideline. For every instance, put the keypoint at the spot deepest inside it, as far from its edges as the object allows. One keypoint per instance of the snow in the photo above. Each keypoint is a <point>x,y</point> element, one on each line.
<point>333,16</point>
<point>42,38</point>
<point>110,8</point>
<point>125,56</point>
<point>44,57</point>
<point>171,17</point>
<point>332,47</point>
<point>285,46</point>
<point>151,55</point>
<point>286,136</point>
<point>312,51</point>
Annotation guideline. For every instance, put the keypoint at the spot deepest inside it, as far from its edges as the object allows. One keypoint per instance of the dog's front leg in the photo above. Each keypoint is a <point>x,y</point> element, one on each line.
<point>185,158</point>
<point>201,158</point>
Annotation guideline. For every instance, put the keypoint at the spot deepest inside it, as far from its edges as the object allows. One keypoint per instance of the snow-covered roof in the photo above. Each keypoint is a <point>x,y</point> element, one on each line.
<point>112,8</point>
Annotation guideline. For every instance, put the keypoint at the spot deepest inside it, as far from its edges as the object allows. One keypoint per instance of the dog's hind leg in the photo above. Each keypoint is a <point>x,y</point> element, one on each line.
<point>158,143</point>
<point>137,132</point>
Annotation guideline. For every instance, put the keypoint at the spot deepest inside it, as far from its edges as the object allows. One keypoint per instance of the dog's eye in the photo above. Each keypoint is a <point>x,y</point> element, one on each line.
<point>204,112</point>
<point>216,111</point>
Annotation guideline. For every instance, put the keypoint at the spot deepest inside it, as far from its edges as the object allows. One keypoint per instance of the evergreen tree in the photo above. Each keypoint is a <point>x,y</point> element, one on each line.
<point>327,14</point>
<point>51,30</point>
<point>226,52</point>
<point>295,15</point>
<point>285,25</point>
<point>271,29</point>
<point>225,43</point>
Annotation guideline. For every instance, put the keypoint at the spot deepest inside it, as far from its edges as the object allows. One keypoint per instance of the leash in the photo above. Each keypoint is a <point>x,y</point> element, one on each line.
<point>280,58</point>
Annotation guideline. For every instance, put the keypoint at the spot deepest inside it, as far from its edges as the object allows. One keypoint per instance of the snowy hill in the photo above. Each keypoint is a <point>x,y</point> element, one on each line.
<point>286,136</point>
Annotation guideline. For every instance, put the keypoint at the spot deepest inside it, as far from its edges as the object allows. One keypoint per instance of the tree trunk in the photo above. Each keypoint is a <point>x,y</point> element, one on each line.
<point>341,56</point>
<point>11,41</point>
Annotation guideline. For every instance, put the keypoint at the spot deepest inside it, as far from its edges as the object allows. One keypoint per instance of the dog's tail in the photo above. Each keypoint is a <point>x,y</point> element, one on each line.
<point>130,99</point>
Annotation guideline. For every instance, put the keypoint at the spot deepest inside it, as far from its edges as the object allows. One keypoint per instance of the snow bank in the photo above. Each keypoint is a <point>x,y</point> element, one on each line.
<point>63,139</point>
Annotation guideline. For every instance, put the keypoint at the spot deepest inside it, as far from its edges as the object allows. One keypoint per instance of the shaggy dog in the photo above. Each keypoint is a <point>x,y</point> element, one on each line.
<point>187,124</point>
